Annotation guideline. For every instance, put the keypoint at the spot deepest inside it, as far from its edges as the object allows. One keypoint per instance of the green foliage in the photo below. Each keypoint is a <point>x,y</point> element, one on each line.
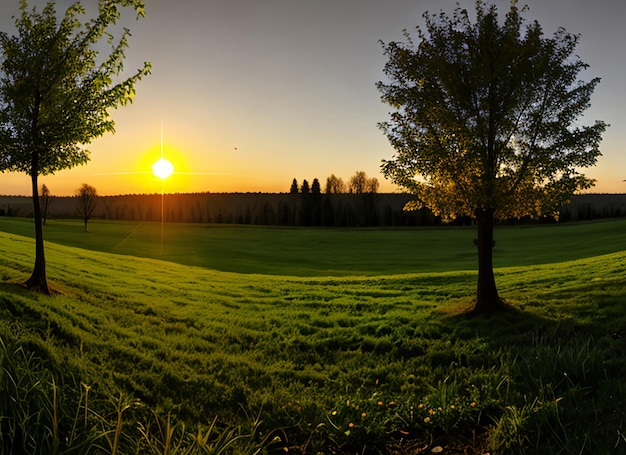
<point>486,123</point>
<point>55,92</point>
<point>393,354</point>
<point>486,115</point>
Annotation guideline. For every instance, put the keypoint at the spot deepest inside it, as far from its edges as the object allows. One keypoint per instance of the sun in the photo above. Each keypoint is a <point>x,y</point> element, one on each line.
<point>162,168</point>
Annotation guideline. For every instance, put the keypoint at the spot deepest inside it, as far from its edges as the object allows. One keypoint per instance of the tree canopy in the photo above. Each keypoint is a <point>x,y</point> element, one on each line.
<point>486,119</point>
<point>56,92</point>
<point>360,183</point>
<point>487,115</point>
<point>335,185</point>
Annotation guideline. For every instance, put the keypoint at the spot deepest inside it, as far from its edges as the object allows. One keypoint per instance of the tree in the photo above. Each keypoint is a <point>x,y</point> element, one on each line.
<point>294,187</point>
<point>56,92</point>
<point>486,122</point>
<point>360,183</point>
<point>87,201</point>
<point>366,187</point>
<point>45,201</point>
<point>305,204</point>
<point>335,185</point>
<point>315,187</point>
<point>316,203</point>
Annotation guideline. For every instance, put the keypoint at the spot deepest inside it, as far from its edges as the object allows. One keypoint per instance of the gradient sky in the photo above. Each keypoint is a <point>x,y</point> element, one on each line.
<point>252,93</point>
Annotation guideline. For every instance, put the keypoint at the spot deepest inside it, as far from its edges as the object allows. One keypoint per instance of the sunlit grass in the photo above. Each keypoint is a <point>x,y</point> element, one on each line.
<point>331,252</point>
<point>196,343</point>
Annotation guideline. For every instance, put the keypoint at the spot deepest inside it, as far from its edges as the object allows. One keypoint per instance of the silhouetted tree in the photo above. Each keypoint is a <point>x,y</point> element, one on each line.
<point>335,185</point>
<point>358,182</point>
<point>316,203</point>
<point>367,187</point>
<point>45,201</point>
<point>87,201</point>
<point>294,190</point>
<point>372,185</point>
<point>486,122</point>
<point>55,95</point>
<point>361,183</point>
<point>315,187</point>
<point>305,205</point>
<point>294,187</point>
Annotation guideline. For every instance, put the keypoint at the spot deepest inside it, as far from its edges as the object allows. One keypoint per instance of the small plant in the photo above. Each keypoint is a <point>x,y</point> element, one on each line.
<point>510,434</point>
<point>29,418</point>
<point>167,438</point>
<point>112,428</point>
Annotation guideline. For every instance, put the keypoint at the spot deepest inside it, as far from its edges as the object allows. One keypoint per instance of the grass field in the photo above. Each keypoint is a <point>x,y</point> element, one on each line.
<point>331,252</point>
<point>337,341</point>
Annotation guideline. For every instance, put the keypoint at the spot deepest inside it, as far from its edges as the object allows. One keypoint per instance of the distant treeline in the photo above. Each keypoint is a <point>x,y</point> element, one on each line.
<point>284,209</point>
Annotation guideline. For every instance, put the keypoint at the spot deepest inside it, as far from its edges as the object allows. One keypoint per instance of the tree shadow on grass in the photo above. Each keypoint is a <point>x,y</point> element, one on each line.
<point>16,305</point>
<point>563,375</point>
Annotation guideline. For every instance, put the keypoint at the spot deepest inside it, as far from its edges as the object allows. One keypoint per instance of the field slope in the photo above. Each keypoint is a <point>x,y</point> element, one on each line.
<point>331,252</point>
<point>344,363</point>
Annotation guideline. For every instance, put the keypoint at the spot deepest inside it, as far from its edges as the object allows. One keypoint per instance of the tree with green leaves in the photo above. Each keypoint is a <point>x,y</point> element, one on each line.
<point>87,201</point>
<point>486,122</point>
<point>56,91</point>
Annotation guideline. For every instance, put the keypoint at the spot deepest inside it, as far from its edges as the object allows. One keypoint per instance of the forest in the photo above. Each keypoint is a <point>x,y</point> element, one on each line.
<point>285,209</point>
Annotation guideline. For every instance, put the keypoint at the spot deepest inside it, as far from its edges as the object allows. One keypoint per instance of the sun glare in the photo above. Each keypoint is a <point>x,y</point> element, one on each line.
<point>162,168</point>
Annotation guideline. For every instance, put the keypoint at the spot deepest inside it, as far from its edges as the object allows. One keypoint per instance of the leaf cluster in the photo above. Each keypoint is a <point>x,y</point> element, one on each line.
<point>486,115</point>
<point>56,91</point>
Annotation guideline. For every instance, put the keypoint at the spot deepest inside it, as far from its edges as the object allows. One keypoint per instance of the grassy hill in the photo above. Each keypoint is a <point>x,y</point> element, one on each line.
<point>350,364</point>
<point>331,252</point>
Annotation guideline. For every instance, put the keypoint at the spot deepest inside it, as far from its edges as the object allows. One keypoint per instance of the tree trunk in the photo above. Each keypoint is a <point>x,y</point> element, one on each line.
<point>487,299</point>
<point>38,280</point>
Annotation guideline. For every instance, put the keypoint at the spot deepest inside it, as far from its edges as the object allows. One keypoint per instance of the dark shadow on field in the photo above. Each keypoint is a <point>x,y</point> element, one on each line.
<point>514,326</point>
<point>12,288</point>
<point>14,297</point>
<point>507,323</point>
<point>565,376</point>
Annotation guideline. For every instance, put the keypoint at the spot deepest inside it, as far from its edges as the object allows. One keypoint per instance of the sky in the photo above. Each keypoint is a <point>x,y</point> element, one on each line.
<point>250,94</point>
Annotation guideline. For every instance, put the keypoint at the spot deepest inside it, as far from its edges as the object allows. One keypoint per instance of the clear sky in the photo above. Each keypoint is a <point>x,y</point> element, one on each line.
<point>253,93</point>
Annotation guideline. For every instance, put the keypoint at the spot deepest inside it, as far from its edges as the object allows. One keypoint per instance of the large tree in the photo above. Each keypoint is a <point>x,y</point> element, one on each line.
<point>56,91</point>
<point>486,122</point>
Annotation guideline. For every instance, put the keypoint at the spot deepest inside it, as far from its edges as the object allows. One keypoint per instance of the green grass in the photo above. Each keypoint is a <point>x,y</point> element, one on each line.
<point>354,364</point>
<point>331,252</point>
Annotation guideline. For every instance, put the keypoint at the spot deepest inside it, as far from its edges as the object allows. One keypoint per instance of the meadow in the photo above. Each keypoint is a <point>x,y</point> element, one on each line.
<point>329,251</point>
<point>312,341</point>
